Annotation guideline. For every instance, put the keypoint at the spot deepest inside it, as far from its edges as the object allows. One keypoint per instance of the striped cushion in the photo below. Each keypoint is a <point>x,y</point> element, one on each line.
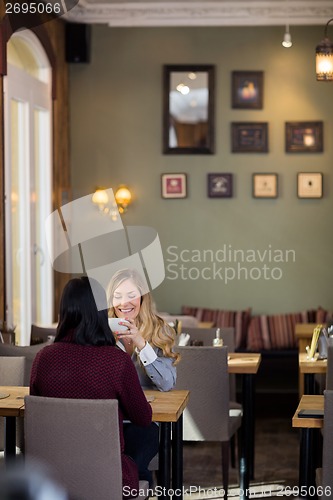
<point>274,331</point>
<point>238,319</point>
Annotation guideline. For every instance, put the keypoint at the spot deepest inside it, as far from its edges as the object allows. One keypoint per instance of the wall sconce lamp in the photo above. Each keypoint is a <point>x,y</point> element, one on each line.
<point>324,58</point>
<point>286,42</point>
<point>123,199</point>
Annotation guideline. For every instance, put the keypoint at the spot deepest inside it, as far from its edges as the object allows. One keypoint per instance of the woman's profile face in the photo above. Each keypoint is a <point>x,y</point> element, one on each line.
<point>126,300</point>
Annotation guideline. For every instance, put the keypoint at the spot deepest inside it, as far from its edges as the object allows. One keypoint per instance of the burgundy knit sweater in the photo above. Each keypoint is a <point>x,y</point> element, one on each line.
<point>68,370</point>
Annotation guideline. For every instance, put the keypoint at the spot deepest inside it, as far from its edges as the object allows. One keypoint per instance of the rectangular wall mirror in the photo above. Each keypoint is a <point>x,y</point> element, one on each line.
<point>188,109</point>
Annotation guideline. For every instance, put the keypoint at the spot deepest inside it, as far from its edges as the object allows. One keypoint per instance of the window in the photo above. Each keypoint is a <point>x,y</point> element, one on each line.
<point>28,184</point>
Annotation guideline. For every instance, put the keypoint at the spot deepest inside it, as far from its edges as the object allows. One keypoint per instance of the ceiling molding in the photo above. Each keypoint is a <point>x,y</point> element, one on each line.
<point>202,13</point>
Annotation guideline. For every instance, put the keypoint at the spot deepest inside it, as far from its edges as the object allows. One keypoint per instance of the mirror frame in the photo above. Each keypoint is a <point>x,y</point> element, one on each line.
<point>167,70</point>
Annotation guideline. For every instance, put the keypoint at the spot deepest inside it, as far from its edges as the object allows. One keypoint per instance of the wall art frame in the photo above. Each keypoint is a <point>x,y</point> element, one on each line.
<point>249,137</point>
<point>220,185</point>
<point>304,137</point>
<point>265,185</point>
<point>309,185</point>
<point>174,185</point>
<point>247,89</point>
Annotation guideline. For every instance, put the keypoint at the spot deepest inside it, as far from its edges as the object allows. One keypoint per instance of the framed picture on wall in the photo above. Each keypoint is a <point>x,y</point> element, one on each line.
<point>247,89</point>
<point>248,137</point>
<point>219,185</point>
<point>265,185</point>
<point>310,185</point>
<point>304,137</point>
<point>174,185</point>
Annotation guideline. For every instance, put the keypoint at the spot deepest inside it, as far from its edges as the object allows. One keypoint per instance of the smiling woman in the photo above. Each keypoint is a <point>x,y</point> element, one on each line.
<point>149,341</point>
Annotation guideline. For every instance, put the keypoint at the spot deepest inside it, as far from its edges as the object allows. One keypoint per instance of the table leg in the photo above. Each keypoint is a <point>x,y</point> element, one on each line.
<point>165,459</point>
<point>306,462</point>
<point>247,435</point>
<point>177,457</point>
<point>10,438</point>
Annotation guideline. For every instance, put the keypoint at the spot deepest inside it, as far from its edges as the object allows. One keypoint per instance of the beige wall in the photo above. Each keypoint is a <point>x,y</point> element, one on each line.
<point>116,137</point>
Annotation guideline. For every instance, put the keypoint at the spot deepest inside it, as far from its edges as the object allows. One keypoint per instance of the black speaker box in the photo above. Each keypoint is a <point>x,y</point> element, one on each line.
<point>78,42</point>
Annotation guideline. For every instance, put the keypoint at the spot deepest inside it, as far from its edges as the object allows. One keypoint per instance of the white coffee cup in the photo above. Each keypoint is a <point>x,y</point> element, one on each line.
<point>115,326</point>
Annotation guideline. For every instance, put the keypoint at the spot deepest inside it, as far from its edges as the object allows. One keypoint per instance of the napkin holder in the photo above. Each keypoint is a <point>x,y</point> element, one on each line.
<point>322,344</point>
<point>310,350</point>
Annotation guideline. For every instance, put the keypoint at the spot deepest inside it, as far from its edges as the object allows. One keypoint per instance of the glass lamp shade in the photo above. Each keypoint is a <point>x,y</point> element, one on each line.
<point>123,198</point>
<point>324,61</point>
<point>100,197</point>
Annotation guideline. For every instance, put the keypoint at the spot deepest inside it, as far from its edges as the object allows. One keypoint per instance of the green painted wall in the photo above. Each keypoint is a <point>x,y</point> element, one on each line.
<point>116,137</point>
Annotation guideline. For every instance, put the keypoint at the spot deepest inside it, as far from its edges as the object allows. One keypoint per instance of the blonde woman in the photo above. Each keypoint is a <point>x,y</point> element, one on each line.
<point>149,339</point>
<point>149,342</point>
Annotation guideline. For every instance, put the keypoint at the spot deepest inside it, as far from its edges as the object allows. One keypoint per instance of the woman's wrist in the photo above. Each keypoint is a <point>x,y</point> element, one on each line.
<point>141,345</point>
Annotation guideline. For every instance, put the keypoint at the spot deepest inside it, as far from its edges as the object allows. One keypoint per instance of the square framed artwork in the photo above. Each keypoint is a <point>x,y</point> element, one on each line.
<point>304,137</point>
<point>265,185</point>
<point>309,185</point>
<point>174,185</point>
<point>219,185</point>
<point>249,137</point>
<point>247,89</point>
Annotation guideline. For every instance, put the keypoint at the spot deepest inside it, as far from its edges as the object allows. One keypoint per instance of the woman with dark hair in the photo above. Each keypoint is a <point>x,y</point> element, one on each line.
<point>83,363</point>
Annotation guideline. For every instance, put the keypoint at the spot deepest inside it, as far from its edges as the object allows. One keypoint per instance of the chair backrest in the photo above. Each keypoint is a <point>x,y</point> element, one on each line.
<point>206,336</point>
<point>11,373</point>
<point>40,334</point>
<point>12,370</point>
<point>79,440</point>
<point>204,372</point>
<point>29,352</point>
<point>327,471</point>
<point>329,370</point>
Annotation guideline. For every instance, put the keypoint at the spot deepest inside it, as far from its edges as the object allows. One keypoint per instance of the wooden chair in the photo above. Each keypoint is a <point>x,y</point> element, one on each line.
<point>206,336</point>
<point>11,373</point>
<point>79,439</point>
<point>28,352</point>
<point>40,334</point>
<point>208,417</point>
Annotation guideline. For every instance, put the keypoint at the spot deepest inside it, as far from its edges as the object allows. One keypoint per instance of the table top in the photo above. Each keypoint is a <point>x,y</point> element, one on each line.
<point>305,330</point>
<point>13,404</point>
<point>167,406</point>
<point>244,362</point>
<point>311,365</point>
<point>308,402</point>
<point>206,324</point>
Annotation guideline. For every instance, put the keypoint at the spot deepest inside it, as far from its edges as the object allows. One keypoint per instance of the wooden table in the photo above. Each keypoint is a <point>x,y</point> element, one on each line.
<point>308,368</point>
<point>10,408</point>
<point>246,365</point>
<point>206,324</point>
<point>167,409</point>
<point>307,458</point>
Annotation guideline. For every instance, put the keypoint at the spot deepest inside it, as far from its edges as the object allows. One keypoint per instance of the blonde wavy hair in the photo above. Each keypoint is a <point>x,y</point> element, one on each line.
<point>152,328</point>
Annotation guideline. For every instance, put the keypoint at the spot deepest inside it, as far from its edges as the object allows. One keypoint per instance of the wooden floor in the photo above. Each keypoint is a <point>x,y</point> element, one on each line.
<point>276,459</point>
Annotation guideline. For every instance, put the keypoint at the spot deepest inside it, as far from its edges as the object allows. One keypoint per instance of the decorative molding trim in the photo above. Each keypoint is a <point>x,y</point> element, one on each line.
<point>201,13</point>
